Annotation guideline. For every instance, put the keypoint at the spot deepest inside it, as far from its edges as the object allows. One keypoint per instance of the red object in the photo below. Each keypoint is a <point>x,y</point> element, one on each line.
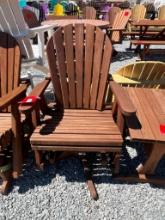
<point>29,100</point>
<point>29,16</point>
<point>162,128</point>
<point>126,13</point>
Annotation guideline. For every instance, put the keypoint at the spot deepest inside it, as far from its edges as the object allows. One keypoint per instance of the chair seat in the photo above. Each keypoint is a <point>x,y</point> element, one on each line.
<point>5,125</point>
<point>122,79</point>
<point>5,131</point>
<point>78,130</point>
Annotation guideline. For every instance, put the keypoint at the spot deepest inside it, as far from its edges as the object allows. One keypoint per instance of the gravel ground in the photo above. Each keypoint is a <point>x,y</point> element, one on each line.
<point>60,191</point>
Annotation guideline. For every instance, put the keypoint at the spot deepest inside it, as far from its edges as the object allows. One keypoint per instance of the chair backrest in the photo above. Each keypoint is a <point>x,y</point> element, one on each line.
<point>112,14</point>
<point>89,13</point>
<point>161,13</point>
<point>138,12</point>
<point>12,22</point>
<point>120,21</point>
<point>38,10</point>
<point>10,58</point>
<point>30,18</point>
<point>79,58</point>
<point>146,73</point>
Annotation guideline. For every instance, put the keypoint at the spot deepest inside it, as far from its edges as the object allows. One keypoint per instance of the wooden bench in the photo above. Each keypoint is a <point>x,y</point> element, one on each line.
<point>146,43</point>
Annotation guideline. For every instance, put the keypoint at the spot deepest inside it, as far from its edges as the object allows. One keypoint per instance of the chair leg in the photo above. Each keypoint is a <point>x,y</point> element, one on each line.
<point>38,158</point>
<point>116,163</point>
<point>89,181</point>
<point>6,181</point>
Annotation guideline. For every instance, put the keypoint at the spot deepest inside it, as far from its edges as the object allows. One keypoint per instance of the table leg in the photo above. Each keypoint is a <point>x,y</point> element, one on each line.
<point>156,153</point>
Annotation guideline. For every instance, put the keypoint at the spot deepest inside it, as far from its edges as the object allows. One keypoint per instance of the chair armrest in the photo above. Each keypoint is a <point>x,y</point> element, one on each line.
<point>13,96</point>
<point>41,28</point>
<point>37,91</point>
<point>116,29</point>
<point>123,99</point>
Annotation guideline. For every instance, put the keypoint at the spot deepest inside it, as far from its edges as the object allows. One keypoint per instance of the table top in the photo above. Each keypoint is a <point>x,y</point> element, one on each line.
<point>63,22</point>
<point>115,1</point>
<point>148,22</point>
<point>150,105</point>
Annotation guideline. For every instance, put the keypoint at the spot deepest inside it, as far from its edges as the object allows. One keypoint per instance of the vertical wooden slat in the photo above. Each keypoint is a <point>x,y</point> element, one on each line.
<point>104,73</point>
<point>3,63</point>
<point>98,49</point>
<point>89,47</point>
<point>52,61</point>
<point>68,38</point>
<point>17,66</point>
<point>10,64</point>
<point>58,39</point>
<point>16,141</point>
<point>79,55</point>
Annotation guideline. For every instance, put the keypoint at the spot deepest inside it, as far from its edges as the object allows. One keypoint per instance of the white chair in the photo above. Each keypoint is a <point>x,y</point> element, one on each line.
<point>12,21</point>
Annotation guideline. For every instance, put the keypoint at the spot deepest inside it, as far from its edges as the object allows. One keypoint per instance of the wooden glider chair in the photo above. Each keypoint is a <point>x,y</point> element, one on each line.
<point>149,74</point>
<point>112,14</point>
<point>118,26</point>
<point>79,59</point>
<point>11,91</point>
<point>89,13</point>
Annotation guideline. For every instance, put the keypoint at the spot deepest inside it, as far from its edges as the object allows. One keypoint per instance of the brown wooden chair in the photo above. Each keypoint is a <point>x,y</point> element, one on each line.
<point>79,58</point>
<point>11,91</point>
<point>119,25</point>
<point>89,13</point>
<point>138,12</point>
<point>112,14</point>
<point>161,13</point>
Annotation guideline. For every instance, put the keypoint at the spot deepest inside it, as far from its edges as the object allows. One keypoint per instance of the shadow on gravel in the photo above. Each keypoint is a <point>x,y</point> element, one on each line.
<point>72,171</point>
<point>155,55</point>
<point>123,56</point>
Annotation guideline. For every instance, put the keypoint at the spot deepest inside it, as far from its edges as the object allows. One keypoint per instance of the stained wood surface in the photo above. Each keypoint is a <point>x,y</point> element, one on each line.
<point>5,129</point>
<point>10,64</point>
<point>55,17</point>
<point>82,54</point>
<point>112,14</point>
<point>78,129</point>
<point>148,22</point>
<point>120,21</point>
<point>89,13</point>
<point>150,104</point>
<point>123,100</point>
<point>138,12</point>
<point>148,42</point>
<point>62,23</point>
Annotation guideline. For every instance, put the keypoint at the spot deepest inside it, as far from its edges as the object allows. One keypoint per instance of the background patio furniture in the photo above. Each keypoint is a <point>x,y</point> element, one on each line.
<point>80,122</point>
<point>157,38</point>
<point>112,15</point>
<point>161,13</point>
<point>119,25</point>
<point>11,130</point>
<point>54,17</point>
<point>89,13</point>
<point>12,21</point>
<point>137,13</point>
<point>150,74</point>
<point>64,22</point>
